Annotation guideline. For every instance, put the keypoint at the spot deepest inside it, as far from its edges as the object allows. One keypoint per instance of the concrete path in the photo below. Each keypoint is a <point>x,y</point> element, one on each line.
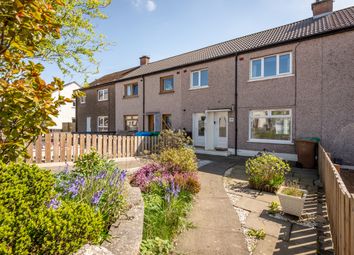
<point>217,227</point>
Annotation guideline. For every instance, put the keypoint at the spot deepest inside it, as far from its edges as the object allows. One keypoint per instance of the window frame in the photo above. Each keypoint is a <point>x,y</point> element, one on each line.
<point>269,115</point>
<point>199,71</point>
<point>131,85</point>
<point>83,100</point>
<point>278,74</point>
<point>162,87</point>
<point>163,121</point>
<point>98,123</point>
<point>137,122</point>
<point>104,98</point>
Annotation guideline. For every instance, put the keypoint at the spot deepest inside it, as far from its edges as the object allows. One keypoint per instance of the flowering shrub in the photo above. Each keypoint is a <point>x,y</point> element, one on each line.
<point>181,159</point>
<point>93,163</point>
<point>33,218</point>
<point>169,139</point>
<point>266,172</point>
<point>103,191</point>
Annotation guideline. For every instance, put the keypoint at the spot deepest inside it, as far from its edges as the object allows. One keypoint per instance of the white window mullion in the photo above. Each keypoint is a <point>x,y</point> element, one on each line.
<point>277,65</point>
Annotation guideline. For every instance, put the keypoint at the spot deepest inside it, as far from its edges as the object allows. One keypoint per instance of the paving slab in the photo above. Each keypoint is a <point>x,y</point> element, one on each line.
<point>271,226</point>
<point>217,227</point>
<point>267,197</point>
<point>252,205</point>
<point>266,246</point>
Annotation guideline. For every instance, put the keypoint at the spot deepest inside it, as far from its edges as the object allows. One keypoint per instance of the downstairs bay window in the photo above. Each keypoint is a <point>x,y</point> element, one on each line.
<point>270,126</point>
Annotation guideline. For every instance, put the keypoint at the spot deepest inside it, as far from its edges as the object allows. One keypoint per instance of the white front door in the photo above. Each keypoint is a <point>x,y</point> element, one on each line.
<point>88,124</point>
<point>199,129</point>
<point>221,130</point>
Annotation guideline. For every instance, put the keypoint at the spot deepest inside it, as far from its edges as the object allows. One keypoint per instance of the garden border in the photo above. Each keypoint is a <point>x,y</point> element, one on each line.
<point>126,233</point>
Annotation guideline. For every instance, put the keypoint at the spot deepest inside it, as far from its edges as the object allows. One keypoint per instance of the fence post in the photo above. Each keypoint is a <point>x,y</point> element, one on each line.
<point>82,144</point>
<point>75,146</point>
<point>48,148</point>
<point>56,147</point>
<point>62,146</point>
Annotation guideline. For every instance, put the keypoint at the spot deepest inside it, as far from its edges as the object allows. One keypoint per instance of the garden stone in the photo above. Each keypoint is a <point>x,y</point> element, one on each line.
<point>126,233</point>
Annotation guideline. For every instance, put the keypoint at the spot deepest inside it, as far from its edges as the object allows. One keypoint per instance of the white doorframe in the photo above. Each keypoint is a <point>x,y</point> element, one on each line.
<point>198,140</point>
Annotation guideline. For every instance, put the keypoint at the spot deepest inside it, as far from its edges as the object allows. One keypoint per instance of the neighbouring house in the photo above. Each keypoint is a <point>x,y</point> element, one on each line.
<point>66,119</point>
<point>96,110</point>
<point>253,93</point>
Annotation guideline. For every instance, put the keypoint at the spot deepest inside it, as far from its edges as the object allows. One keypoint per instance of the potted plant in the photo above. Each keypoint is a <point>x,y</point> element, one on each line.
<point>292,199</point>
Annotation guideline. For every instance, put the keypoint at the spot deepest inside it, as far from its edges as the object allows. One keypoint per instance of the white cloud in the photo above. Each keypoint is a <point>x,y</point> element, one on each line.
<point>149,5</point>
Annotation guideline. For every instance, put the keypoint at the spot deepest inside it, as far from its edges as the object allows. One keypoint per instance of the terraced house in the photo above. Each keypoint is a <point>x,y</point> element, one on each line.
<point>256,92</point>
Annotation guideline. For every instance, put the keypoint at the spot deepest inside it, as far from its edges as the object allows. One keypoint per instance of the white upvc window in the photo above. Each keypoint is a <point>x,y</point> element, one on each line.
<point>200,79</point>
<point>270,126</point>
<point>102,94</point>
<point>83,100</point>
<point>271,66</point>
<point>102,123</point>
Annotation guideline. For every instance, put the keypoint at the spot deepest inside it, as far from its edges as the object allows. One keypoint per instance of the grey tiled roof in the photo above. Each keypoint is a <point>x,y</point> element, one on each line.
<point>111,77</point>
<point>298,30</point>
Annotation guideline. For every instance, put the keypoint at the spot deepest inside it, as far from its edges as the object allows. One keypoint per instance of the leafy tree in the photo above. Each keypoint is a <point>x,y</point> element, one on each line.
<point>33,31</point>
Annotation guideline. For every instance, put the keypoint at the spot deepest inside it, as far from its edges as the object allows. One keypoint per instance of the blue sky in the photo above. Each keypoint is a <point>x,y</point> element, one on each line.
<point>164,28</point>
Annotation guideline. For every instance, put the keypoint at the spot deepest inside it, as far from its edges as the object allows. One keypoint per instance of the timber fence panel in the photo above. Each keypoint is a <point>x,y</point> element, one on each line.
<point>340,205</point>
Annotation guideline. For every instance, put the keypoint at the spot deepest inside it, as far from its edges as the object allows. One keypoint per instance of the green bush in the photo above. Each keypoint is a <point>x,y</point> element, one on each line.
<point>266,172</point>
<point>156,246</point>
<point>92,163</point>
<point>181,159</point>
<point>34,222</point>
<point>169,139</point>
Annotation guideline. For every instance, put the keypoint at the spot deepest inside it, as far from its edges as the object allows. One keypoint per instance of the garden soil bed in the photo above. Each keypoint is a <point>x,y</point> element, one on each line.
<point>348,179</point>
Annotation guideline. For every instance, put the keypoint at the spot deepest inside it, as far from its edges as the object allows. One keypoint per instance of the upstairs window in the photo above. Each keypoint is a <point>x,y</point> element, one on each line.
<point>131,90</point>
<point>102,95</point>
<point>200,79</point>
<point>102,123</point>
<point>271,66</point>
<point>83,100</point>
<point>166,84</point>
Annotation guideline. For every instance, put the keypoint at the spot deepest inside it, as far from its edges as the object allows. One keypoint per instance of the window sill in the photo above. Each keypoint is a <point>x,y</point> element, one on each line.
<point>198,88</point>
<point>167,92</point>
<point>270,141</point>
<point>129,97</point>
<point>271,78</point>
<point>103,100</point>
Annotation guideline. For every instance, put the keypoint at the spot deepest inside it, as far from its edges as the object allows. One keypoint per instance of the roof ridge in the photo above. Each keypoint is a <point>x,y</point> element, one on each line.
<point>248,35</point>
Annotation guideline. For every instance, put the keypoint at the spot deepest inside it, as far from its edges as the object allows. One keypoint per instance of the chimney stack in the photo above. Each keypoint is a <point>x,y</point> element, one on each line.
<point>144,60</point>
<point>322,7</point>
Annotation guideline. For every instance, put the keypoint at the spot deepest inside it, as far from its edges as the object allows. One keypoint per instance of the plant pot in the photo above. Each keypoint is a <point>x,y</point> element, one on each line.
<point>291,204</point>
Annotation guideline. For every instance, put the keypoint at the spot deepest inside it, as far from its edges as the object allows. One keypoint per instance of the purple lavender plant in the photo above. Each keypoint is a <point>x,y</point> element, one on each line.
<point>97,197</point>
<point>54,203</point>
<point>75,186</point>
<point>101,175</point>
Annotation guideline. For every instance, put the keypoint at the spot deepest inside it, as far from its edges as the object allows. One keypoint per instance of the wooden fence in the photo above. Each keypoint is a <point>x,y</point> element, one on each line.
<point>61,147</point>
<point>340,205</point>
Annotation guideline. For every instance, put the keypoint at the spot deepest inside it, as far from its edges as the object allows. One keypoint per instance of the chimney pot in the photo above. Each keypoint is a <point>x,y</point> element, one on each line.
<point>144,60</point>
<point>321,7</point>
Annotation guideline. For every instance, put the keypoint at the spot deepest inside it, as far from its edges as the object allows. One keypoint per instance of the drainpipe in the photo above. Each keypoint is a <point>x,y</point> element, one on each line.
<point>235,106</point>
<point>143,103</point>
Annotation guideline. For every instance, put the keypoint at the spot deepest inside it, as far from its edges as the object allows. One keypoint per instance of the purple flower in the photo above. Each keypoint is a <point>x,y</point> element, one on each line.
<point>54,203</point>
<point>97,197</point>
<point>101,175</point>
<point>122,175</point>
<point>66,168</point>
<point>75,186</point>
